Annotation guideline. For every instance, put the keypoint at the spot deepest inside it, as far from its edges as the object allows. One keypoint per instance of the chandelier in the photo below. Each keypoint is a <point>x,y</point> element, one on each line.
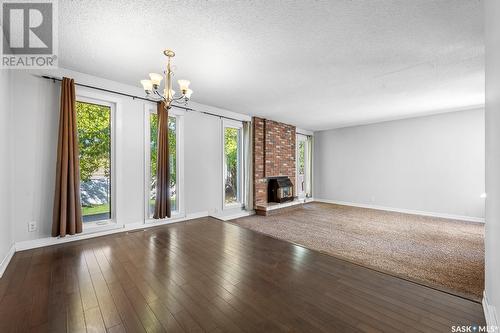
<point>152,86</point>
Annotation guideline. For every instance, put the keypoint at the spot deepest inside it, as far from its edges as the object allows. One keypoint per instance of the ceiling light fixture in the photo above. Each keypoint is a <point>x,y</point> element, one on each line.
<point>152,86</point>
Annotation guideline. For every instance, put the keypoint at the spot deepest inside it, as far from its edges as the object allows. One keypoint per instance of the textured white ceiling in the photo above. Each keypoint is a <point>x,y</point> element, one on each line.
<point>314,64</point>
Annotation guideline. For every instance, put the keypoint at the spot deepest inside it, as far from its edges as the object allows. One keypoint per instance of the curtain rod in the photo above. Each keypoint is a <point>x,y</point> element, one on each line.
<point>54,79</point>
<point>306,135</point>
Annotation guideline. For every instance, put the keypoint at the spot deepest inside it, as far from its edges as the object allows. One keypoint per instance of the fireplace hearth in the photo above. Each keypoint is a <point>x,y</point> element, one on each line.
<point>279,189</point>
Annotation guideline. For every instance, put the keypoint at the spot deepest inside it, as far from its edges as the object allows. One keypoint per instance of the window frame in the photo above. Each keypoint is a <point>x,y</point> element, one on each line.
<point>90,98</point>
<point>227,123</point>
<point>179,129</point>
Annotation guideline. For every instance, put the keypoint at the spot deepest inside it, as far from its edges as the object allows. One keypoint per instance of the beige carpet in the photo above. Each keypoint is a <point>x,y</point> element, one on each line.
<point>444,254</point>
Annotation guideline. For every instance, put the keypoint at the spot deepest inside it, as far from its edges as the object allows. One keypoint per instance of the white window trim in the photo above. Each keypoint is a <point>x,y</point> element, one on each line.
<point>179,127</point>
<point>87,96</point>
<point>227,123</point>
<point>303,138</point>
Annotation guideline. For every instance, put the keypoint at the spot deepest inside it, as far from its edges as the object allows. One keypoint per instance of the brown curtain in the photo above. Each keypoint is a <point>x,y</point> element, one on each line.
<point>67,215</point>
<point>162,203</point>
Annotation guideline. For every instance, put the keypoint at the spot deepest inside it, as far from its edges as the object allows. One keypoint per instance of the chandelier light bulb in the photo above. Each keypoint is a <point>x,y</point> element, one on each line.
<point>155,79</point>
<point>188,93</point>
<point>147,85</point>
<point>184,85</point>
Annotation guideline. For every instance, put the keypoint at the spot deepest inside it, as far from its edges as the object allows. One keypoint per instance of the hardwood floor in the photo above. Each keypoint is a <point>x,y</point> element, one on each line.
<point>208,275</point>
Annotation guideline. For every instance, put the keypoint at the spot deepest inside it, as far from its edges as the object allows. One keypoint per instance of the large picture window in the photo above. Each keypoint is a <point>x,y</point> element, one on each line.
<point>151,159</point>
<point>303,167</point>
<point>94,121</point>
<point>232,163</point>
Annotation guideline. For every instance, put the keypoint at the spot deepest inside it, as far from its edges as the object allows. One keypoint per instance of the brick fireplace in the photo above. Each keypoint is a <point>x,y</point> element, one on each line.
<point>273,153</point>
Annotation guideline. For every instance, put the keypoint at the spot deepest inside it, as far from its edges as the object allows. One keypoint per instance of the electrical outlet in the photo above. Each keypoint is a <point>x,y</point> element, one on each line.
<point>32,226</point>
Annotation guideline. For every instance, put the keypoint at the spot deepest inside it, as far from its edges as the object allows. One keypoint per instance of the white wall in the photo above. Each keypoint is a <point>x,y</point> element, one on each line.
<point>492,243</point>
<point>432,164</point>
<point>35,127</point>
<point>203,164</point>
<point>6,237</point>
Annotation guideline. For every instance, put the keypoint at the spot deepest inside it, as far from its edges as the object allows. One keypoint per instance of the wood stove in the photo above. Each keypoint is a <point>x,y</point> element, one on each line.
<point>279,189</point>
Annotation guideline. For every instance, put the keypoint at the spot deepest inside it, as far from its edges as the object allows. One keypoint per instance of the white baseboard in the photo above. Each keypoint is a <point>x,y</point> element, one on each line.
<point>490,313</point>
<point>243,213</point>
<point>406,211</point>
<point>6,260</point>
<point>197,215</point>
<point>48,241</point>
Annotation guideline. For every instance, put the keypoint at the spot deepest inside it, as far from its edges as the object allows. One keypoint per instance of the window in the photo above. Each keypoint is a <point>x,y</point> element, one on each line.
<point>232,161</point>
<point>151,159</point>
<point>302,165</point>
<point>94,123</point>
